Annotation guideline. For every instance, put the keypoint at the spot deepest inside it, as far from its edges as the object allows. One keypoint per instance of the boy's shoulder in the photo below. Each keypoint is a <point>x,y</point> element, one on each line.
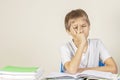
<point>94,41</point>
<point>67,44</point>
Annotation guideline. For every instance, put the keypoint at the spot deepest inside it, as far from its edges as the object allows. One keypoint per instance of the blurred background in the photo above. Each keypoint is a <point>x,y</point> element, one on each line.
<point>32,31</point>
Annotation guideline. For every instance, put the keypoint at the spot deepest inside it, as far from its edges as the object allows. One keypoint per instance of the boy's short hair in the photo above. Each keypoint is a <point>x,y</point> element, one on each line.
<point>75,14</point>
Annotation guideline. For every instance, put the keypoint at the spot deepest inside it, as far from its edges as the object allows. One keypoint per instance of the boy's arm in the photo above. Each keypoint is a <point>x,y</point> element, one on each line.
<point>73,65</point>
<point>110,66</point>
<point>79,37</point>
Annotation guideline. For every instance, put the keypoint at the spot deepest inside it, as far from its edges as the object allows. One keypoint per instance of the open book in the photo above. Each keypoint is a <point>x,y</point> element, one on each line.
<point>91,74</point>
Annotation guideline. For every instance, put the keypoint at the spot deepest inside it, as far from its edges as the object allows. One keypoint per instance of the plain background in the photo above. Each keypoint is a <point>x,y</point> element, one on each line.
<point>32,31</point>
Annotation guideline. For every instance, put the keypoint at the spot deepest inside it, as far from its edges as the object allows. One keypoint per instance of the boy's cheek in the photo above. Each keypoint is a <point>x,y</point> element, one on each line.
<point>73,31</point>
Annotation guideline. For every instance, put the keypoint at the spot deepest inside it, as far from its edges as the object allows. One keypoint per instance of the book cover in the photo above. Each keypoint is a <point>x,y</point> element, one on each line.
<point>19,69</point>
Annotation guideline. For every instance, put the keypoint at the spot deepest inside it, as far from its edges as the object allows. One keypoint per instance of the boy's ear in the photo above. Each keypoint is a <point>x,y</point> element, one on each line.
<point>68,32</point>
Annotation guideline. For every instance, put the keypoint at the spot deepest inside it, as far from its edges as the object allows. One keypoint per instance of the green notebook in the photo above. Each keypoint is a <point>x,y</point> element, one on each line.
<point>19,69</point>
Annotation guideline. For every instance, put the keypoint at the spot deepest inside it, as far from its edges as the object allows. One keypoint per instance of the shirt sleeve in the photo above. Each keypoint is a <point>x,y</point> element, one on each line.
<point>65,55</point>
<point>104,54</point>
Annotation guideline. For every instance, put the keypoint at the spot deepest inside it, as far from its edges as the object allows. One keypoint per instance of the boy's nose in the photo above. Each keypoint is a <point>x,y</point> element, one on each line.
<point>80,29</point>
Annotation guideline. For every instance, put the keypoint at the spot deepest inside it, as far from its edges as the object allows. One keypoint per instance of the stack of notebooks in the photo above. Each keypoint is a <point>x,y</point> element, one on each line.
<point>20,73</point>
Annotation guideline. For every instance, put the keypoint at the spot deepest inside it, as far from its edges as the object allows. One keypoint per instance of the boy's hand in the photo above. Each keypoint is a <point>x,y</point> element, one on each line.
<point>79,36</point>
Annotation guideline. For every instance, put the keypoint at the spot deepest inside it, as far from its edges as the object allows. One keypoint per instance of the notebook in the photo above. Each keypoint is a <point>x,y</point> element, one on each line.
<point>18,72</point>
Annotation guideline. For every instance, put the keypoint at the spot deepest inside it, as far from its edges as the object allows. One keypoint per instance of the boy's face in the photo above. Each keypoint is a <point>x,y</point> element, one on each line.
<point>78,23</point>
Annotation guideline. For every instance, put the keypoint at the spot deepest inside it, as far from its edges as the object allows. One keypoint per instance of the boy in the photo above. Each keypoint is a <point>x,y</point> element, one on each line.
<point>81,53</point>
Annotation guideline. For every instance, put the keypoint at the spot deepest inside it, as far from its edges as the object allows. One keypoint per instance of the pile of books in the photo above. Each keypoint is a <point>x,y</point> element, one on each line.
<point>20,73</point>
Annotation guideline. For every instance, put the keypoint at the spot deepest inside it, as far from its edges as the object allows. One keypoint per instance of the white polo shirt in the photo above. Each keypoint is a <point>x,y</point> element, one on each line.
<point>95,52</point>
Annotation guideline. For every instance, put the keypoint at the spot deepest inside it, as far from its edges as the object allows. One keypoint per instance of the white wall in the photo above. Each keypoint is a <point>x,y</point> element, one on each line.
<point>32,31</point>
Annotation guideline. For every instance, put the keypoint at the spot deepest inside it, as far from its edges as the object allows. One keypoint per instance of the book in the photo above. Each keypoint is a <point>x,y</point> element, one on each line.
<point>18,72</point>
<point>90,74</point>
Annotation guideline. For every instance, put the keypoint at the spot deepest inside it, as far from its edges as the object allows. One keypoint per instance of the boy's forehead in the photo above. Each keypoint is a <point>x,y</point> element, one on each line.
<point>80,19</point>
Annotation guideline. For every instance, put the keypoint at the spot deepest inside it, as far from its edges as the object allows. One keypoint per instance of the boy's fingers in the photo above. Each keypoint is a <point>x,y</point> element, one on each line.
<point>74,32</point>
<point>78,30</point>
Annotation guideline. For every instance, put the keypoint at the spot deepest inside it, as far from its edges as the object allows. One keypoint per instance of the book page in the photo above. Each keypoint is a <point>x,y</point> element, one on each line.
<point>60,75</point>
<point>86,74</point>
<point>96,74</point>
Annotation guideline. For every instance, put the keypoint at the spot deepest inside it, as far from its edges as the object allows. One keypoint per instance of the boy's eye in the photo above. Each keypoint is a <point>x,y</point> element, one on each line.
<point>75,27</point>
<point>83,25</point>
